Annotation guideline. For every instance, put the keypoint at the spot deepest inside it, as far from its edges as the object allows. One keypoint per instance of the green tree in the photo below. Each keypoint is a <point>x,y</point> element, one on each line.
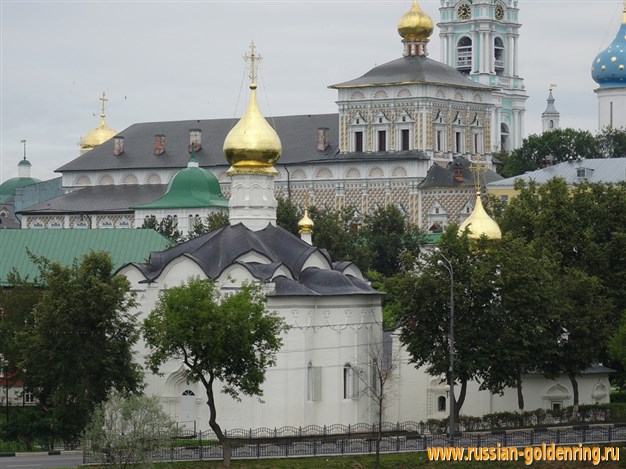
<point>230,339</point>
<point>338,232</point>
<point>555,145</point>
<point>583,327</point>
<point>523,303</point>
<point>617,343</point>
<point>288,215</point>
<point>582,229</point>
<point>28,425</point>
<point>17,302</point>
<point>611,143</point>
<point>389,237</point>
<point>128,429</point>
<point>214,221</point>
<point>424,296</point>
<point>167,227</point>
<point>79,346</point>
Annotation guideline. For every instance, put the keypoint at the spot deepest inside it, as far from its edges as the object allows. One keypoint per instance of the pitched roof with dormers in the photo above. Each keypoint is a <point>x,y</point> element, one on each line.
<point>298,134</point>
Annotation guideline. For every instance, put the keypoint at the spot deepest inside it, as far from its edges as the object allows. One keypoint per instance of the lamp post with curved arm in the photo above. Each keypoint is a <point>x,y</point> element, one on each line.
<point>447,264</point>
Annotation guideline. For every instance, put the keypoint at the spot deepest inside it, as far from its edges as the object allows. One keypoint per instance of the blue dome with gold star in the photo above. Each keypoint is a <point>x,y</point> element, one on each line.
<point>608,68</point>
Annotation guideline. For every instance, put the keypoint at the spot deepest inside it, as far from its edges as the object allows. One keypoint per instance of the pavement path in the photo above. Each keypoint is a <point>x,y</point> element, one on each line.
<point>41,460</point>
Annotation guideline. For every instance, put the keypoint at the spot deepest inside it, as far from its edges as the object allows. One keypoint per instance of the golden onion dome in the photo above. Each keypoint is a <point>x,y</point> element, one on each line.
<point>97,136</point>
<point>479,223</point>
<point>252,144</point>
<point>415,25</point>
<point>306,224</point>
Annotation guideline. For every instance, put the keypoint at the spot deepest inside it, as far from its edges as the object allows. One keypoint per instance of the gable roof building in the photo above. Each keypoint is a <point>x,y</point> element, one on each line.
<point>602,170</point>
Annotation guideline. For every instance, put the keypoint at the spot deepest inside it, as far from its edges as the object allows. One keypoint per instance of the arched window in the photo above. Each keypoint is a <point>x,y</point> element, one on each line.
<point>464,55</point>
<point>504,138</point>
<point>348,381</point>
<point>498,55</point>
<point>441,404</point>
<point>188,392</point>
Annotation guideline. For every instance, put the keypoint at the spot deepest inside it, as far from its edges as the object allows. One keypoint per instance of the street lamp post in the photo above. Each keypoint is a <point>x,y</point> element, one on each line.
<point>445,262</point>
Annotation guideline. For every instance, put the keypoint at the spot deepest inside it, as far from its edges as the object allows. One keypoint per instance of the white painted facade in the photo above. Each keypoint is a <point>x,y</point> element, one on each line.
<point>611,108</point>
<point>307,384</point>
<point>418,396</point>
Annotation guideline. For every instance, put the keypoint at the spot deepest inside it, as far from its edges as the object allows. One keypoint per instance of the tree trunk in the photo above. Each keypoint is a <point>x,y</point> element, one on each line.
<point>572,378</point>
<point>459,402</point>
<point>223,439</point>
<point>520,395</point>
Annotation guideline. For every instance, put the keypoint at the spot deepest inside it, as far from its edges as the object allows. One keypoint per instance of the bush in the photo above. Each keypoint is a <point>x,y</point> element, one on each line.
<point>127,430</point>
<point>504,420</point>
<point>27,427</point>
<point>471,424</point>
<point>437,426</point>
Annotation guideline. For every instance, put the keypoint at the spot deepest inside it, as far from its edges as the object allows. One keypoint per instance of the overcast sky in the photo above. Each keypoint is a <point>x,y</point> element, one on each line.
<point>178,60</point>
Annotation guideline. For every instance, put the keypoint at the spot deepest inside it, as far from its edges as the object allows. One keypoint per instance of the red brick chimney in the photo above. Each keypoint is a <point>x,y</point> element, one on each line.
<point>118,145</point>
<point>159,144</point>
<point>195,140</point>
<point>322,138</point>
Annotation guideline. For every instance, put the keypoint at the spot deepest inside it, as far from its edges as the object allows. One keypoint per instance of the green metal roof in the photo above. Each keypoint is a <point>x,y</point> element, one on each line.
<point>431,238</point>
<point>64,246</point>
<point>8,186</point>
<point>191,187</point>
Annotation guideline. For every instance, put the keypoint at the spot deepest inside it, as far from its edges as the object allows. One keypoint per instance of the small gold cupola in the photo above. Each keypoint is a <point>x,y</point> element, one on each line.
<point>479,223</point>
<point>100,134</point>
<point>415,27</point>
<point>305,226</point>
<point>252,145</point>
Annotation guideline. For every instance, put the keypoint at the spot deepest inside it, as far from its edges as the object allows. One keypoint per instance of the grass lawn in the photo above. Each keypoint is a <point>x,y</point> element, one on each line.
<point>390,461</point>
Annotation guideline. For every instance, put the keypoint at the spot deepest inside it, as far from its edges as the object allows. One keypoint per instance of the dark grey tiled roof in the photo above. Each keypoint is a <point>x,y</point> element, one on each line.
<point>413,70</point>
<point>220,249</point>
<point>99,199</point>
<point>298,135</point>
<point>438,176</point>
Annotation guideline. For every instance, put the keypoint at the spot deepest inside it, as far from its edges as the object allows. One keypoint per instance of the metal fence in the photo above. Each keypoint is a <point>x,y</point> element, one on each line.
<point>361,439</point>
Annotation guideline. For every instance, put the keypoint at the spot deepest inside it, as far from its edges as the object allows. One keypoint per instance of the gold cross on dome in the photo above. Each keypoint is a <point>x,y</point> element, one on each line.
<point>104,100</point>
<point>252,61</point>
<point>477,168</point>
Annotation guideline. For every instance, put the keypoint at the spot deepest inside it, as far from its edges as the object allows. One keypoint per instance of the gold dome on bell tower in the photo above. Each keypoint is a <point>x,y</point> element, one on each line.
<point>415,25</point>
<point>252,146</point>
<point>99,135</point>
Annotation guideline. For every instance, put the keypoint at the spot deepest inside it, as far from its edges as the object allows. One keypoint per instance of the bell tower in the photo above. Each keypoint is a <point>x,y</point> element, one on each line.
<point>480,39</point>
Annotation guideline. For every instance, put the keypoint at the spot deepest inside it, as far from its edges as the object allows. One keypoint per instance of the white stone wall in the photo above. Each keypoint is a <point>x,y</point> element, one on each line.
<point>611,108</point>
<point>417,393</point>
